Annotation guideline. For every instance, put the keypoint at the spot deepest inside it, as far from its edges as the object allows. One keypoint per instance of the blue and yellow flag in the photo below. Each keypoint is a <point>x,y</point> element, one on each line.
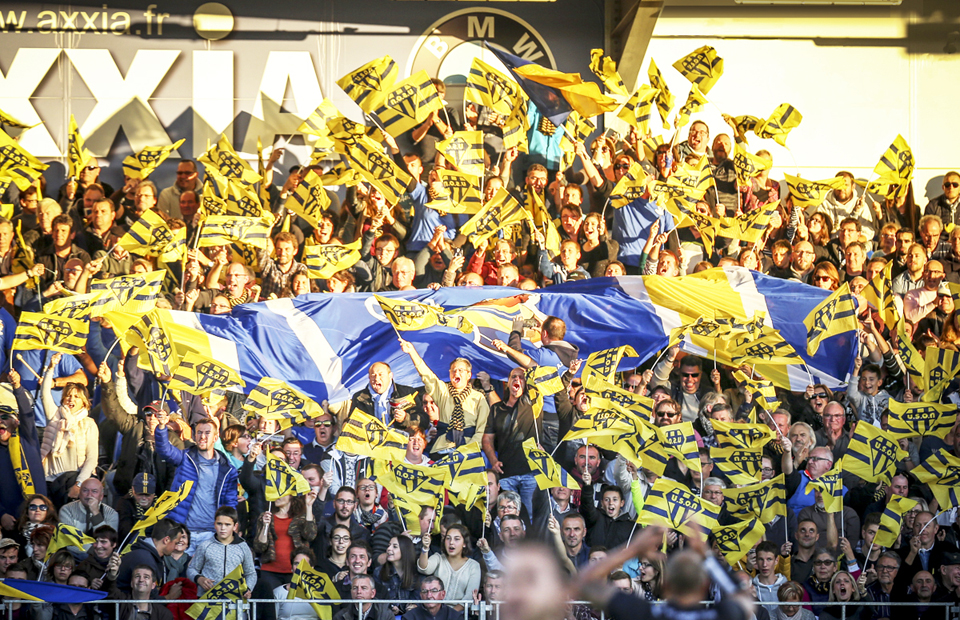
<point>764,393</point>
<point>465,466</point>
<point>736,540</point>
<point>365,435</point>
<point>941,467</point>
<point>738,465</point>
<point>948,497</point>
<point>199,374</point>
<point>502,211</point>
<point>831,489</point>
<point>743,436</point>
<point>325,260</point>
<point>913,362</point>
<point>835,315</point>
<point>779,124</point>
<point>369,84</point>
<point>312,584</point>
<point>873,454</point>
<point>48,592</point>
<point>491,88</point>
<point>680,441</point>
<point>70,307</point>
<point>282,480</point>
<point>153,337</point>
<point>605,68</point>
<point>163,506</point>
<point>598,421</point>
<point>702,67</point>
<point>545,470</point>
<point>275,400</point>
<point>460,193</point>
<point>420,484</point>
<point>78,156</point>
<point>675,507</point>
<point>464,149</point>
<point>223,159</point>
<point>768,347</point>
<point>231,588</point>
<point>878,294</point>
<point>891,520</point>
<point>921,419</point>
<point>142,163</point>
<point>811,193</point>
<point>940,367</point>
<point>765,500</point>
<point>408,103</point>
<point>35,331</point>
<point>606,395</point>
<point>368,158</point>
<point>310,200</point>
<point>665,98</point>
<point>137,293</point>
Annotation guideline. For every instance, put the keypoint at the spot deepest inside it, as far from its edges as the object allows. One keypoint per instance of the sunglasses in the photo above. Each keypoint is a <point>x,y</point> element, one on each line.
<point>40,507</point>
<point>690,375</point>
<point>820,395</point>
<point>824,278</point>
<point>324,424</point>
<point>823,562</point>
<point>950,184</point>
<point>622,167</point>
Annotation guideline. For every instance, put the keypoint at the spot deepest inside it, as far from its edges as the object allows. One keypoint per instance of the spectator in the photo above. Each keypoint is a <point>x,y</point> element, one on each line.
<point>89,512</point>
<point>150,551</point>
<point>452,565</point>
<point>217,557</point>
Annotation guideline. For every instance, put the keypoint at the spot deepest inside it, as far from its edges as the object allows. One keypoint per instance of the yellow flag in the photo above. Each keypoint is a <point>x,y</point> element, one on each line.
<point>763,391</point>
<point>779,124</point>
<point>137,292</point>
<point>421,484</point>
<point>897,164</point>
<point>341,174</point>
<point>767,347</point>
<point>409,103</point>
<point>461,193</point>
<point>605,394</point>
<point>516,126</point>
<point>365,435</point>
<point>749,227</point>
<point>764,500</point>
<point>369,84</point>
<point>673,506</point>
<point>835,315</point>
<point>316,123</point>
<point>368,158</point>
<point>736,540</point>
<point>142,163</point>
<point>346,134</point>
<point>282,480</point>
<point>147,236</point>
<point>163,506</point>
<point>921,419</point>
<point>223,159</point>
<point>17,162</point>
<point>465,465</point>
<point>747,165</point>
<point>78,156</point>
<point>743,436</point>
<point>738,465</point>
<point>941,467</point>
<point>199,374</point>
<point>175,251</point>
<point>309,583</point>
<point>879,295</point>
<point>811,193</point>
<point>604,363</point>
<point>491,88</point>
<point>545,470</point>
<point>584,97</point>
<point>275,400</point>
<point>702,67</point>
<point>407,315</point>
<point>503,210</point>
<point>940,367</point>
<point>664,98</point>
<point>695,102</point>
<point>7,120</point>
<point>309,200</point>
<point>631,187</point>
<point>464,149</point>
<point>830,486</point>
<point>696,177</point>
<point>891,520</point>
<point>231,588</point>
<point>948,497</point>
<point>605,68</point>
<point>67,536</point>
<point>873,454</point>
<point>325,260</point>
<point>153,337</point>
<point>70,307</point>
<point>225,229</point>
<point>638,110</point>
<point>38,331</point>
<point>680,441</point>
<point>18,459</point>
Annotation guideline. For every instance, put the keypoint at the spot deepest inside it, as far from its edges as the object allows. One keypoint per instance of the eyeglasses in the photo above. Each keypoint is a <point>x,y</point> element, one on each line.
<point>767,470</point>
<point>430,591</point>
<point>818,458</point>
<point>822,395</point>
<point>645,565</point>
<point>824,279</point>
<point>834,416</point>
<point>337,539</point>
<point>98,167</point>
<point>346,502</point>
<point>885,567</point>
<point>633,386</point>
<point>367,487</point>
<point>689,375</point>
<point>622,167</point>
<point>950,185</point>
<point>823,562</point>
<point>36,507</point>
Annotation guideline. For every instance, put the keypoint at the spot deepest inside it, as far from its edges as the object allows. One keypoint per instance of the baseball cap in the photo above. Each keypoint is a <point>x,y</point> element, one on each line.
<point>944,290</point>
<point>144,484</point>
<point>950,558</point>
<point>156,407</point>
<point>6,543</point>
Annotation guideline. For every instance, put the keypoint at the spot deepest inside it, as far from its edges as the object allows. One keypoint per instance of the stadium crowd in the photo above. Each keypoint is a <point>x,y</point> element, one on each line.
<point>100,447</point>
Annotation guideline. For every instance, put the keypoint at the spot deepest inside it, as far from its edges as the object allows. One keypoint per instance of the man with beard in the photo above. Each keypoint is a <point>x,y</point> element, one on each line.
<point>696,142</point>
<point>801,265</point>
<point>724,174</point>
<point>842,203</point>
<point>188,179</point>
<point>393,404</point>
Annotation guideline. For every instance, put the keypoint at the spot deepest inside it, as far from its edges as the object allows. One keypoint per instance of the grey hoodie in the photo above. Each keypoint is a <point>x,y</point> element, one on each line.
<point>768,594</point>
<point>214,560</point>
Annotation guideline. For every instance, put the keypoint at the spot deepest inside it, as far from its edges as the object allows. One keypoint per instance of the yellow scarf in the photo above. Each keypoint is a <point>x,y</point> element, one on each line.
<point>20,468</point>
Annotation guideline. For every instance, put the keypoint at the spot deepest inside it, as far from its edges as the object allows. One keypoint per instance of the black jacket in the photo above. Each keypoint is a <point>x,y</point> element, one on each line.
<point>143,552</point>
<point>363,400</point>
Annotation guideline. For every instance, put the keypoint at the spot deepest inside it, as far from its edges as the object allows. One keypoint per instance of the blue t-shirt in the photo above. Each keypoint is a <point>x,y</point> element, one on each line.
<point>37,360</point>
<point>426,220</point>
<point>200,517</point>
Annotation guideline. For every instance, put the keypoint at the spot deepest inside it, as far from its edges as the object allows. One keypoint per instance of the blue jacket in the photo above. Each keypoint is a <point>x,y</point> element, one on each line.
<point>186,463</point>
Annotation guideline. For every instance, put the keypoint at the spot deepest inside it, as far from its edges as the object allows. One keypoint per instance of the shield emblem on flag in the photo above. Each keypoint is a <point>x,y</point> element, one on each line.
<point>403,99</point>
<point>285,399</point>
<point>410,478</point>
<point>883,455</point>
<point>211,375</point>
<point>682,505</point>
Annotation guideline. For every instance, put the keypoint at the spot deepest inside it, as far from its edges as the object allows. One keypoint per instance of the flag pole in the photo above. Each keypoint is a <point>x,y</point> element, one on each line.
<point>486,503</point>
<point>929,522</point>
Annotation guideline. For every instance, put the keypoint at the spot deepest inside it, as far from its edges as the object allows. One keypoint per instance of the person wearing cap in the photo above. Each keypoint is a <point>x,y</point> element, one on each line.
<point>933,322</point>
<point>949,577</point>
<point>132,507</point>
<point>17,425</point>
<point>89,511</point>
<point>9,554</point>
<point>918,302</point>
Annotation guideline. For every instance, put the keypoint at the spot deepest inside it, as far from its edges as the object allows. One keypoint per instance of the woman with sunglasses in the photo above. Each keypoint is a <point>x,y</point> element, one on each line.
<point>817,586</point>
<point>817,232</point>
<point>37,511</point>
<point>825,276</point>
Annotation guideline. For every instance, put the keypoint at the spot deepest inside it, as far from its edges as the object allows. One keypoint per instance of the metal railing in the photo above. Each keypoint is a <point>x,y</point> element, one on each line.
<point>247,608</point>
